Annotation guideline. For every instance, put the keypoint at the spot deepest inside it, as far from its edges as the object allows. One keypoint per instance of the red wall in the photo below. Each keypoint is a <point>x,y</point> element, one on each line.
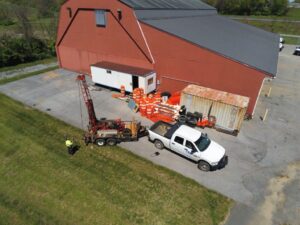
<point>81,43</point>
<point>178,63</point>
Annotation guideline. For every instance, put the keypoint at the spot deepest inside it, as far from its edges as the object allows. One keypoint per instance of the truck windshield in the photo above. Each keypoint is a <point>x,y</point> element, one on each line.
<point>202,143</point>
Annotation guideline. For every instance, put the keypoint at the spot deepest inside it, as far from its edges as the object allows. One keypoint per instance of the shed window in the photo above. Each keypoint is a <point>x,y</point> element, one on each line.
<point>100,18</point>
<point>150,81</point>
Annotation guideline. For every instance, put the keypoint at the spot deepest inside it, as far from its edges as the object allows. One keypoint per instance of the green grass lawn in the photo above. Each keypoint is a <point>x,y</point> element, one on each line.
<point>292,40</point>
<point>41,184</point>
<point>276,27</point>
<point>292,14</point>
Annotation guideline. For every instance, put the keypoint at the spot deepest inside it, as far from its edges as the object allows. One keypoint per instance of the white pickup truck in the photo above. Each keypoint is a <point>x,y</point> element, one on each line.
<point>189,143</point>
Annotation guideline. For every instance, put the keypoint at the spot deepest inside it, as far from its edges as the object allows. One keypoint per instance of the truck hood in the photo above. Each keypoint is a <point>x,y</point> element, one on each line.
<point>214,153</point>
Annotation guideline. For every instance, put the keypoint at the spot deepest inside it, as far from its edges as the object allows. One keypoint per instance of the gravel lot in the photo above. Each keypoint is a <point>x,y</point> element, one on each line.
<point>263,171</point>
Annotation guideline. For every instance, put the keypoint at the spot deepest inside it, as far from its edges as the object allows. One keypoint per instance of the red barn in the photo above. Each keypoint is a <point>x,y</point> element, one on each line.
<point>178,42</point>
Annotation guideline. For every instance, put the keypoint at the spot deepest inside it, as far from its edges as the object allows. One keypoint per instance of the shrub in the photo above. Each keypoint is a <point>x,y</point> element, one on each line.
<point>16,50</point>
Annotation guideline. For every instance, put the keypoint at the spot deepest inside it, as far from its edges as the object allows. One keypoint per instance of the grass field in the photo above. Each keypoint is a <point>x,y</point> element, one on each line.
<point>276,27</point>
<point>292,14</point>
<point>41,184</point>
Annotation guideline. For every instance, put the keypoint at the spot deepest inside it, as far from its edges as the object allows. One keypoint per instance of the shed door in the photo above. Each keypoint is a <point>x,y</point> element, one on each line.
<point>226,115</point>
<point>135,82</point>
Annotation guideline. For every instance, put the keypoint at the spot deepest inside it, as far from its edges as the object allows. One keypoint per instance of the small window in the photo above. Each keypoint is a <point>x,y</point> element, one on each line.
<point>100,18</point>
<point>70,12</point>
<point>119,14</point>
<point>179,140</point>
<point>150,81</point>
<point>108,71</point>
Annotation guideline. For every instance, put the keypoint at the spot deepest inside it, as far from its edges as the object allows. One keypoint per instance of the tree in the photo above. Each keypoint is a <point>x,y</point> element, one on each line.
<point>24,24</point>
<point>279,7</point>
<point>45,7</point>
<point>6,18</point>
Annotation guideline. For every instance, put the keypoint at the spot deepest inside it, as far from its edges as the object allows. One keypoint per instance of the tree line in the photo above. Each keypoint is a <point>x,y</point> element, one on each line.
<point>28,30</point>
<point>250,7</point>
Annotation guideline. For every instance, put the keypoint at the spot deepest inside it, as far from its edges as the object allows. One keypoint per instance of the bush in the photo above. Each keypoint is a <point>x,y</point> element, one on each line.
<point>6,22</point>
<point>16,50</point>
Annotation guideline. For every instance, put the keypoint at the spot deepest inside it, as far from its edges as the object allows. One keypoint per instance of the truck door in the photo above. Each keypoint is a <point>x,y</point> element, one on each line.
<point>191,151</point>
<point>177,145</point>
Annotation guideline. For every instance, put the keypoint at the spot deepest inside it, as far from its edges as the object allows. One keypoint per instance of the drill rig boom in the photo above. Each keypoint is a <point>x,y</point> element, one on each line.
<point>87,100</point>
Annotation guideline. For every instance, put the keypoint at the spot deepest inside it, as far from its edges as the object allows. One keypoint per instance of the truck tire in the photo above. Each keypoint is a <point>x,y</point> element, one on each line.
<point>158,144</point>
<point>204,166</point>
<point>111,142</point>
<point>100,142</point>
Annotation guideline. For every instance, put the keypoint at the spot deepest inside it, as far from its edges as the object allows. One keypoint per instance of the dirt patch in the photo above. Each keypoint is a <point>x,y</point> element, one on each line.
<point>276,197</point>
<point>50,75</point>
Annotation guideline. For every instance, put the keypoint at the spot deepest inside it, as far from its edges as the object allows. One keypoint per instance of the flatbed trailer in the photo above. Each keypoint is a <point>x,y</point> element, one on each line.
<point>133,131</point>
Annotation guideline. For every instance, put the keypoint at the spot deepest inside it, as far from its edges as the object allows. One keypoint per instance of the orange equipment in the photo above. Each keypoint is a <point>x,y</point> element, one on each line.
<point>123,92</point>
<point>209,121</point>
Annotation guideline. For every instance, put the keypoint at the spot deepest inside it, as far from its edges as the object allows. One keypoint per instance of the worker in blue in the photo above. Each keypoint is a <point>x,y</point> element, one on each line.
<point>70,146</point>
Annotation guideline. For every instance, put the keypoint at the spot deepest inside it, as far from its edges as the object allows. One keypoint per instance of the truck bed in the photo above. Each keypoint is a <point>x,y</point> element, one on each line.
<point>160,128</point>
<point>164,129</point>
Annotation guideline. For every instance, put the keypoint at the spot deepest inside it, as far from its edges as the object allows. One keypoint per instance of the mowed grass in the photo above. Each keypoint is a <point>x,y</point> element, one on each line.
<point>292,14</point>
<point>279,27</point>
<point>275,27</point>
<point>41,184</point>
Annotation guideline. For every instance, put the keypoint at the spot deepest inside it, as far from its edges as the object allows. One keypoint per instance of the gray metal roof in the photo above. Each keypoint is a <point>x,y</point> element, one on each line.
<point>170,14</point>
<point>240,42</point>
<point>166,4</point>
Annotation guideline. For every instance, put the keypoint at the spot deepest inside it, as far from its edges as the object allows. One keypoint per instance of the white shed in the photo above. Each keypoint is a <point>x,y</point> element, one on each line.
<point>115,75</point>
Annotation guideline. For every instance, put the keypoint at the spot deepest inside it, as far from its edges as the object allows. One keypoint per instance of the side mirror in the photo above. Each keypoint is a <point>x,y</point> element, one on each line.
<point>193,151</point>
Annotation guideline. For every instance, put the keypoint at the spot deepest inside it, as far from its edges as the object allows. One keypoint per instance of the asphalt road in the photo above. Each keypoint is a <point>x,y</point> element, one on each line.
<point>263,171</point>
